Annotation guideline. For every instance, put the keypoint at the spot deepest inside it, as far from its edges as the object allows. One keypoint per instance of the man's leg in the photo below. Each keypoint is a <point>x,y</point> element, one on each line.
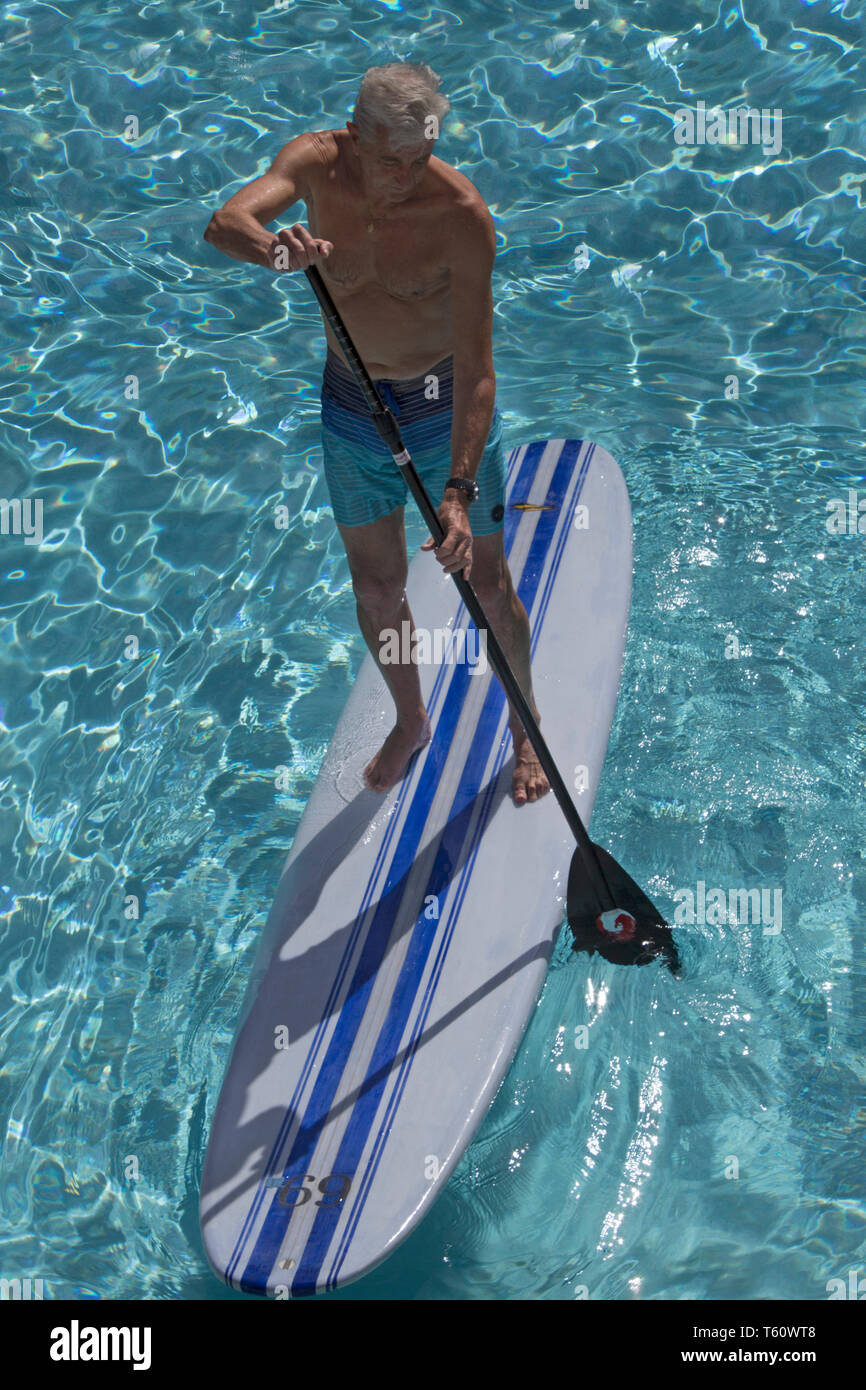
<point>491,579</point>
<point>378,565</point>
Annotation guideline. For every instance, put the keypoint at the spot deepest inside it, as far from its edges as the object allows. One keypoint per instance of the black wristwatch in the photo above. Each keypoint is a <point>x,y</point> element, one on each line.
<point>464,485</point>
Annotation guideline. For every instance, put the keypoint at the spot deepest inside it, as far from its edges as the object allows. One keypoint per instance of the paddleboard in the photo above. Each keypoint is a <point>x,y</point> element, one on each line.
<point>411,931</point>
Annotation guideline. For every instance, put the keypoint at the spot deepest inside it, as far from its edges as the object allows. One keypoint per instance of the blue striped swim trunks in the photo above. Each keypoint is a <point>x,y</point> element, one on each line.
<point>364,482</point>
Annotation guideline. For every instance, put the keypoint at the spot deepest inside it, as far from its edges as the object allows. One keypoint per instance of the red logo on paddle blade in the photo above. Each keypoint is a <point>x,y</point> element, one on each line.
<point>617,923</point>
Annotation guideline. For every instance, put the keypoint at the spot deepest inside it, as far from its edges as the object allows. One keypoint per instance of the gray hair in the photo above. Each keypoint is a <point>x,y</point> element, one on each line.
<point>401,97</point>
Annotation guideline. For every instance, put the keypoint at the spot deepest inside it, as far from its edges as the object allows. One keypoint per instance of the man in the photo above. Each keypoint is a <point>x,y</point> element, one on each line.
<point>405,245</point>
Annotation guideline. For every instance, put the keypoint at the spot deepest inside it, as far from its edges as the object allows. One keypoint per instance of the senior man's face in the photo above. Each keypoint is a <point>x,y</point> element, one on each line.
<point>391,173</point>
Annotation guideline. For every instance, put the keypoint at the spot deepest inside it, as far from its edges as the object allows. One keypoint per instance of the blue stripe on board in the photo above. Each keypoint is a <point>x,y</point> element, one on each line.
<point>424,934</point>
<point>548,587</point>
<point>472,772</point>
<point>270,1236</point>
<point>282,1133</point>
<point>312,1054</point>
<point>492,712</point>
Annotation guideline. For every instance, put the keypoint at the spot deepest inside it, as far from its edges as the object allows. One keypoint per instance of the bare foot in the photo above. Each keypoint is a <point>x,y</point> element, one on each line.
<point>529,782</point>
<point>388,766</point>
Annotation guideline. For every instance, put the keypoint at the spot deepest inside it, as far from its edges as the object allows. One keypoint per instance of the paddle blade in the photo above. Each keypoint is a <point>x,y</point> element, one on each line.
<point>634,934</point>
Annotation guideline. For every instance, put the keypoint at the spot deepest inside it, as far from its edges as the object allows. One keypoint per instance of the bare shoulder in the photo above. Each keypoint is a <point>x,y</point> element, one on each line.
<point>306,155</point>
<point>469,230</point>
<point>469,225</point>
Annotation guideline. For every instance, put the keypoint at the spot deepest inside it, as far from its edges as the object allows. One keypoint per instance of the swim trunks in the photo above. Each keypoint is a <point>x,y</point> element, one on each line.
<point>364,482</point>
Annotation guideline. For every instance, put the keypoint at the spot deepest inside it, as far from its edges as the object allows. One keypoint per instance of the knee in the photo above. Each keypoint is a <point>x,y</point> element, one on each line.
<point>379,593</point>
<point>493,587</point>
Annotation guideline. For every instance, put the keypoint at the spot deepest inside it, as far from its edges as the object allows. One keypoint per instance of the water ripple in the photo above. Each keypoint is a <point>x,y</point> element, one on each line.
<point>698,310</point>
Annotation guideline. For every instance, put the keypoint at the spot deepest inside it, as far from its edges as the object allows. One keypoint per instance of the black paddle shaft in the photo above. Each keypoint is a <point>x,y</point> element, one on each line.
<point>390,433</point>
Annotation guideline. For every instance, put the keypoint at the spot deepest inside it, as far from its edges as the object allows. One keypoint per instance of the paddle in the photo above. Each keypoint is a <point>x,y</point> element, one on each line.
<point>607,911</point>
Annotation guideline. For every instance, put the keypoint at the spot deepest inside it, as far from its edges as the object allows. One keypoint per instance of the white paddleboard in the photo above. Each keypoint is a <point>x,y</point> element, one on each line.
<point>411,932</point>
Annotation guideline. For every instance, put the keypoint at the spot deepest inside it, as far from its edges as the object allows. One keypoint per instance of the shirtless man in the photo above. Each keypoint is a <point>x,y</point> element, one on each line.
<point>405,245</point>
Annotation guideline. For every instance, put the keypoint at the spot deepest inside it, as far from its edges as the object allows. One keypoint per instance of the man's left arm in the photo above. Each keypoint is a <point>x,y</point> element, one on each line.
<point>474,242</point>
<point>472,319</point>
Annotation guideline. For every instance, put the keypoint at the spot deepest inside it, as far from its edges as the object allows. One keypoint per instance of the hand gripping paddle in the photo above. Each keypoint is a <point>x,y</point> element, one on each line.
<point>607,912</point>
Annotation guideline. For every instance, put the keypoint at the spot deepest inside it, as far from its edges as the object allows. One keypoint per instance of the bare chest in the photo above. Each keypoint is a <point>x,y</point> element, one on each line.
<point>399,255</point>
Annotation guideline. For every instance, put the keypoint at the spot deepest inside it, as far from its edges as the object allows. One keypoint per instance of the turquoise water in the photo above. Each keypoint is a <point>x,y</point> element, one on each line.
<point>635,278</point>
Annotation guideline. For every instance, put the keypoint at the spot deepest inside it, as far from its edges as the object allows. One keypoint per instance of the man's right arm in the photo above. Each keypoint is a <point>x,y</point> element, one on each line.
<point>238,228</point>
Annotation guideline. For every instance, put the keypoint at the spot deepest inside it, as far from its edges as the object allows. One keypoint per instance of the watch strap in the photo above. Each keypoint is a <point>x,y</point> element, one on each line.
<point>466,485</point>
